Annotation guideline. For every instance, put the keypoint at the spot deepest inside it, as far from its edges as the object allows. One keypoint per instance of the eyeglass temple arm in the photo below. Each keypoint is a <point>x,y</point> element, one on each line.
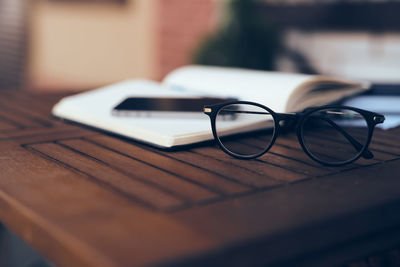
<point>366,154</point>
<point>244,112</point>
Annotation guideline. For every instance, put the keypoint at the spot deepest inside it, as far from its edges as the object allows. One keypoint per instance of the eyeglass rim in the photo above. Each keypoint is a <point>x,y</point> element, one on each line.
<point>214,113</point>
<point>369,116</point>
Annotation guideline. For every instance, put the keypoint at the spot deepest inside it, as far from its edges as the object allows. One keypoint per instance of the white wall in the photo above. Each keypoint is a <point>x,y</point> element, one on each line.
<point>80,45</point>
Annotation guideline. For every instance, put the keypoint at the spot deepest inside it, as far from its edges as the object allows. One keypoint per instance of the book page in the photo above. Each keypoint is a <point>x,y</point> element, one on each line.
<point>271,89</point>
<point>94,108</point>
<point>322,90</point>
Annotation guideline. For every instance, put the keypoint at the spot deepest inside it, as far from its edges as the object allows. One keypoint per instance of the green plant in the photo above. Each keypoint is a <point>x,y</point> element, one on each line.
<point>247,40</point>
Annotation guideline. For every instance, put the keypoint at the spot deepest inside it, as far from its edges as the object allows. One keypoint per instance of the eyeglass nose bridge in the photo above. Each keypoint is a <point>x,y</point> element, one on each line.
<point>287,120</point>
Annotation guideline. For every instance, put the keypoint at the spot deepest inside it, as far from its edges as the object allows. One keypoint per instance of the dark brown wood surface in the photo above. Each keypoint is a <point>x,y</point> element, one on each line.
<point>84,198</point>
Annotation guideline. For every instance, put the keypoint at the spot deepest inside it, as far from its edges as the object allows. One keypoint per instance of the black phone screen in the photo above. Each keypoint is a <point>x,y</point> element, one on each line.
<point>167,104</point>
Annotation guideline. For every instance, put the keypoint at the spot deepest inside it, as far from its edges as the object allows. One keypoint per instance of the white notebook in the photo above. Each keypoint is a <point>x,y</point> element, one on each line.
<point>282,92</point>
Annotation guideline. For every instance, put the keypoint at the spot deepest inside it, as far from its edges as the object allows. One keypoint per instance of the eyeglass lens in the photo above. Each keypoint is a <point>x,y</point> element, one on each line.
<point>244,129</point>
<point>335,135</point>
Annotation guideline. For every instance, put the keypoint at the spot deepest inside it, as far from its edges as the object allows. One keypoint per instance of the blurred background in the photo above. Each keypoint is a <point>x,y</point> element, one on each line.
<point>53,45</point>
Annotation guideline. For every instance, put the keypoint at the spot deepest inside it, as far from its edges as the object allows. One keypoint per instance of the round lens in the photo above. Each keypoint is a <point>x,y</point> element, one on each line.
<point>245,130</point>
<point>335,135</point>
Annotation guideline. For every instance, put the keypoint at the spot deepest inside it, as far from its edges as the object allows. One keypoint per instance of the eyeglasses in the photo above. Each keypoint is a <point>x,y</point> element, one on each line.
<point>331,135</point>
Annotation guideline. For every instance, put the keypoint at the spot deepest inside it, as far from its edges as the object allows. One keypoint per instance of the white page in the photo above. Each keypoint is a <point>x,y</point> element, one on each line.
<point>271,89</point>
<point>94,108</point>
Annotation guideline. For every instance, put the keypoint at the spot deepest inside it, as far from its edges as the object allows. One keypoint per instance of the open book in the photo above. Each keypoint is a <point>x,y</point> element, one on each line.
<point>282,92</point>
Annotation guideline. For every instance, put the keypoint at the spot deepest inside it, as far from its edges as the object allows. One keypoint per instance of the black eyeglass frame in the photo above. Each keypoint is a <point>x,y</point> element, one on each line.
<point>370,117</point>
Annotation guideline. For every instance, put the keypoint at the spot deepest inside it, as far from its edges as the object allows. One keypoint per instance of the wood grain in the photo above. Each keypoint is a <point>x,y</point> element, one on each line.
<point>77,222</point>
<point>196,175</point>
<point>84,198</point>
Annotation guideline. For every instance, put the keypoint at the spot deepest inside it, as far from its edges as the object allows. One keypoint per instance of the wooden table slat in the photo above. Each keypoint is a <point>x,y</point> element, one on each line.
<point>145,193</point>
<point>145,172</point>
<point>242,175</point>
<point>199,176</point>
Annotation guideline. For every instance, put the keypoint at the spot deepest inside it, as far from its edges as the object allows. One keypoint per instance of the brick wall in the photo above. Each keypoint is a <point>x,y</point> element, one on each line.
<point>182,24</point>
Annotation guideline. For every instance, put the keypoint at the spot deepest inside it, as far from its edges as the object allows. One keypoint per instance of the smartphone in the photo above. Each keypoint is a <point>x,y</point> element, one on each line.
<point>167,107</point>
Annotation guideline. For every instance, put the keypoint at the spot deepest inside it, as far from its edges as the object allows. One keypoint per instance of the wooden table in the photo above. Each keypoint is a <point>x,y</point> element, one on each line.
<point>83,198</point>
